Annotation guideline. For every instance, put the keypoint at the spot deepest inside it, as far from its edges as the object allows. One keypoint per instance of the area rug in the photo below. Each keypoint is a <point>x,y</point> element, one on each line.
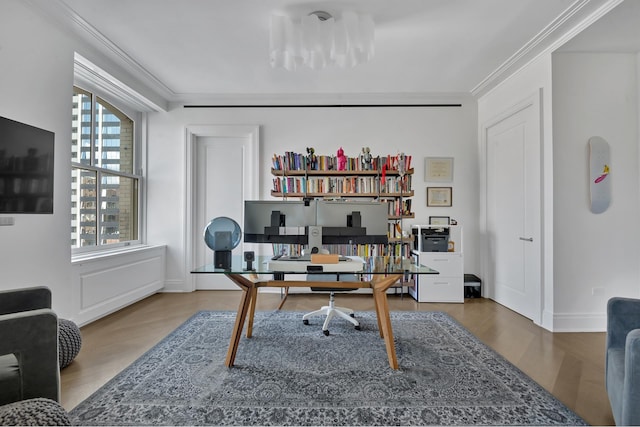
<point>289,373</point>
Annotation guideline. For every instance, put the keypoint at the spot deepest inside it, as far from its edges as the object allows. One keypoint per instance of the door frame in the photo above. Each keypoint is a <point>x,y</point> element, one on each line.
<point>534,101</point>
<point>251,165</point>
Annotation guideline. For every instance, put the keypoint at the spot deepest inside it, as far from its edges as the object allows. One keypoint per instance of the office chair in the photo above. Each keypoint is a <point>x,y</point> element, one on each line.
<point>331,310</point>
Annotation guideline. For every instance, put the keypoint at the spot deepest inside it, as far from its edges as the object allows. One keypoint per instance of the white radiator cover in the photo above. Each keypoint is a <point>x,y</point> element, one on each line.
<point>108,282</point>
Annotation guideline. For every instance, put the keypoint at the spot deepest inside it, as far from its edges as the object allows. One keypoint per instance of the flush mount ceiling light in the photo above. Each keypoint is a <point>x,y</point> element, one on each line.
<point>319,40</point>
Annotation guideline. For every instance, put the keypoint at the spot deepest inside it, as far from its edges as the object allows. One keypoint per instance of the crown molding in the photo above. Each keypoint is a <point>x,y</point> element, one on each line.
<point>572,21</point>
<point>86,72</point>
<point>59,12</point>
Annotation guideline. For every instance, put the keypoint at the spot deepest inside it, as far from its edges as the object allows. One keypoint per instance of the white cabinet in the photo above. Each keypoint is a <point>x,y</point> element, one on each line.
<point>448,286</point>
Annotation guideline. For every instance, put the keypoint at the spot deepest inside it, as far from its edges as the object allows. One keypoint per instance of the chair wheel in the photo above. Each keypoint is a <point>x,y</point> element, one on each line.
<point>326,333</point>
<point>305,321</point>
<point>357,328</point>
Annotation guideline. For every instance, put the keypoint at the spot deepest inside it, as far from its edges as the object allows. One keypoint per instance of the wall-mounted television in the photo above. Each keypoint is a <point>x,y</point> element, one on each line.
<point>26,168</point>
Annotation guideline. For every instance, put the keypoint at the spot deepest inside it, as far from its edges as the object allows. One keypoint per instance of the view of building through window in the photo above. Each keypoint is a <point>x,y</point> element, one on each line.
<point>104,187</point>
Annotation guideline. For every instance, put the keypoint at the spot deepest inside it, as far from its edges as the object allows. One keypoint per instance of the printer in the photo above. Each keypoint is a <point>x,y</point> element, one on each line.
<point>431,239</point>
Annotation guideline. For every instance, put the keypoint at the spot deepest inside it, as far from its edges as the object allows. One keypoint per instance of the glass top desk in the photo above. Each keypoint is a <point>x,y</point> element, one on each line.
<point>376,273</point>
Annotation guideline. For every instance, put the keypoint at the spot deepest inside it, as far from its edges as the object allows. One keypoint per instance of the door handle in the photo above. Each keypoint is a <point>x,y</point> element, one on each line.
<point>530,239</point>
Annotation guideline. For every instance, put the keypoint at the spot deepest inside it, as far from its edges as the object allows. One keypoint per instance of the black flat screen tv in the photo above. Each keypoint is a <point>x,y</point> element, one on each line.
<point>26,168</point>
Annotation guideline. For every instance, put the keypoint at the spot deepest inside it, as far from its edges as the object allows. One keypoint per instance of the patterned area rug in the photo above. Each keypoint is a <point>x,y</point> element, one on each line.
<point>291,374</point>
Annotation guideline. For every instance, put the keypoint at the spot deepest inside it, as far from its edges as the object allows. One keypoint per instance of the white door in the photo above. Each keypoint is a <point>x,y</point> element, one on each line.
<point>218,193</point>
<point>513,211</point>
<point>222,172</point>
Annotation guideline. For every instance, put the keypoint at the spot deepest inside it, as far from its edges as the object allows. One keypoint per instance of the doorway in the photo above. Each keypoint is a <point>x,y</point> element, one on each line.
<point>222,172</point>
<point>513,266</point>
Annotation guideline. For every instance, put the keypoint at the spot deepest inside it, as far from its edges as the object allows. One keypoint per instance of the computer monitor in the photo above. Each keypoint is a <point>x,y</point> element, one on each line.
<point>267,221</point>
<point>353,222</point>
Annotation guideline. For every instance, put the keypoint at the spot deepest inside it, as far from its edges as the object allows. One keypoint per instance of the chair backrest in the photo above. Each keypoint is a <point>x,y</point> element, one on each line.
<point>26,299</point>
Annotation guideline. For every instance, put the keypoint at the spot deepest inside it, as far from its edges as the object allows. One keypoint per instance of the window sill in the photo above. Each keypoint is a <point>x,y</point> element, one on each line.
<point>105,254</point>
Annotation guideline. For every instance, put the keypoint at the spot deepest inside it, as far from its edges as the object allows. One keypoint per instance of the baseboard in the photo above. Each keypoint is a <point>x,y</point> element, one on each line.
<point>580,322</point>
<point>175,286</point>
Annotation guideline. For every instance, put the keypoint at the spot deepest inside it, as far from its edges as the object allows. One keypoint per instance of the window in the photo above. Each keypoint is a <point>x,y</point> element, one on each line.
<point>104,183</point>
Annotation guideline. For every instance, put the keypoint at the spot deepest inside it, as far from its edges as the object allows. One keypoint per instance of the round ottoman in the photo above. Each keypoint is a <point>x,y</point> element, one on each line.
<point>34,412</point>
<point>69,342</point>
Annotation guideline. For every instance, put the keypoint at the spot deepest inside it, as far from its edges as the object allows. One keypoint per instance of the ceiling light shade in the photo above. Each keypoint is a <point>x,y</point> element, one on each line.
<point>318,40</point>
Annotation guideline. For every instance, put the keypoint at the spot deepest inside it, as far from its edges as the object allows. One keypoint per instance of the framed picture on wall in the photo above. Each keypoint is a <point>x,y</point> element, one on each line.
<point>439,196</point>
<point>438,169</point>
<point>438,220</point>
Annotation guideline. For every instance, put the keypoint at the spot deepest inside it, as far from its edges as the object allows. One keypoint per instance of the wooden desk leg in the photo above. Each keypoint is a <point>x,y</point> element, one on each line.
<point>247,287</point>
<point>252,310</point>
<point>384,319</point>
<point>286,294</point>
<point>376,303</point>
<point>387,332</point>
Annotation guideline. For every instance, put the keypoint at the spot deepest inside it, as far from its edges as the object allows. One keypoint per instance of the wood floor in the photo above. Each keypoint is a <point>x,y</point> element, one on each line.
<point>569,365</point>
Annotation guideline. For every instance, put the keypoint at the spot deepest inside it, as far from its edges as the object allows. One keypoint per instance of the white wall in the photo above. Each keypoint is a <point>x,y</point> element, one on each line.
<point>590,95</point>
<point>596,254</point>
<point>420,132</point>
<point>36,86</point>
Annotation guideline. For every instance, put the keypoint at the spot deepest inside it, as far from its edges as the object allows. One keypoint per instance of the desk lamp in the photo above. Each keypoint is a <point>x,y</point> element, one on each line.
<point>222,235</point>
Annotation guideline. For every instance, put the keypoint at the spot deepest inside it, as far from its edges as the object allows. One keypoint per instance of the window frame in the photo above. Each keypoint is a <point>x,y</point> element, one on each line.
<point>138,119</point>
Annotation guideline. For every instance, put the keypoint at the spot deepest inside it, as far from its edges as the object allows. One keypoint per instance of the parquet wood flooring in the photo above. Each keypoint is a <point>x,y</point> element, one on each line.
<point>569,365</point>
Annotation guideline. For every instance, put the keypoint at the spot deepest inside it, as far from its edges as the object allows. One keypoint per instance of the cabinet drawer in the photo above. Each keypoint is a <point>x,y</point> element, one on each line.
<point>445,264</point>
<point>441,289</point>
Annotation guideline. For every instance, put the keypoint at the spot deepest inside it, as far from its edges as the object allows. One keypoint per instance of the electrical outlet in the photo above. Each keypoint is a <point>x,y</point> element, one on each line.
<point>598,292</point>
<point>6,220</point>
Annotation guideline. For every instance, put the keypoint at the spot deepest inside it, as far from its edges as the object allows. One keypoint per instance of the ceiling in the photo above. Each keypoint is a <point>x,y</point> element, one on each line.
<point>190,49</point>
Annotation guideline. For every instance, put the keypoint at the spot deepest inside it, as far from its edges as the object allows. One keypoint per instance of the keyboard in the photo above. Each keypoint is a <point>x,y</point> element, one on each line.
<point>305,258</point>
<point>284,264</point>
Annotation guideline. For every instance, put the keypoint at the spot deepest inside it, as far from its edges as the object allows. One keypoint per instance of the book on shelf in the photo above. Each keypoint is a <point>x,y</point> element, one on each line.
<point>330,184</point>
<point>306,175</point>
<point>362,250</point>
<point>341,184</point>
<point>398,208</point>
<point>292,161</point>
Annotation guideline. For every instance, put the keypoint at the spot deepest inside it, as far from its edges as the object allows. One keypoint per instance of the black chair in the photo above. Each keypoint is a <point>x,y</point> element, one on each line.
<point>29,346</point>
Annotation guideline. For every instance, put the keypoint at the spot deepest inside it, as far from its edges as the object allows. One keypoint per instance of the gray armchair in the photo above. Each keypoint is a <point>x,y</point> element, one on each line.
<point>29,346</point>
<point>623,359</point>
